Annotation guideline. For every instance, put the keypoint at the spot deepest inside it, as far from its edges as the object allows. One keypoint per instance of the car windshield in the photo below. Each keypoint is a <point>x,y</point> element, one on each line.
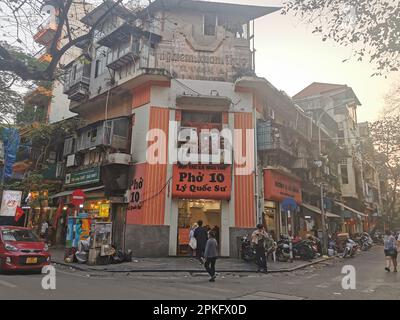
<point>15,235</point>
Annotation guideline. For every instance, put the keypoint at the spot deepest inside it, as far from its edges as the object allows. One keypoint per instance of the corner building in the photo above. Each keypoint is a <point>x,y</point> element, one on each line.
<point>178,66</point>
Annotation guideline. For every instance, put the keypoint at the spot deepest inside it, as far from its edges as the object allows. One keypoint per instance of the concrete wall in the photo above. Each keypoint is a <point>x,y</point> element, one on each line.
<point>234,239</point>
<point>59,108</point>
<point>147,241</point>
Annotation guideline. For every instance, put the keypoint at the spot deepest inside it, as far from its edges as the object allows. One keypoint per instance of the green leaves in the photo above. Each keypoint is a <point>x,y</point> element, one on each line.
<point>372,27</point>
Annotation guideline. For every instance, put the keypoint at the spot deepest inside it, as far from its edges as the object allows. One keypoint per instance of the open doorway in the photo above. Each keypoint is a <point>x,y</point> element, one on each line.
<point>191,211</point>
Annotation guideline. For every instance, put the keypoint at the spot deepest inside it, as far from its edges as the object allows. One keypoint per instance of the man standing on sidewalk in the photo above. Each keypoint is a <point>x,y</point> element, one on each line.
<point>258,241</point>
<point>201,237</point>
<point>211,254</point>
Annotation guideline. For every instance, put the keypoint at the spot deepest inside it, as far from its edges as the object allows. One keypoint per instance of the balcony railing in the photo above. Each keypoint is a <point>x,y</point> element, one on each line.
<point>270,138</point>
<point>46,31</point>
<point>77,83</point>
<point>124,55</point>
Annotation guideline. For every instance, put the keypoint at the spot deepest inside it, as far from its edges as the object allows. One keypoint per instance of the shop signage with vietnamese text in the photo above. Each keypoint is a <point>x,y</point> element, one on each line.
<point>83,177</point>
<point>202,182</point>
<point>278,187</point>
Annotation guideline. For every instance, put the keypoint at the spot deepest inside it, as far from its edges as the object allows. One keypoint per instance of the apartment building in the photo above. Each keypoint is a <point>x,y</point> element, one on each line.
<point>359,179</point>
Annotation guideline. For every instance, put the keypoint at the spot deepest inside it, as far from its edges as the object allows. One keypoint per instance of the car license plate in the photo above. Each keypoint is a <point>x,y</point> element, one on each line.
<point>31,260</point>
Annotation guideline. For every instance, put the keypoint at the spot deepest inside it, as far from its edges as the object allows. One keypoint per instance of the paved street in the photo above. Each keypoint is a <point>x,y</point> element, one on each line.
<point>322,281</point>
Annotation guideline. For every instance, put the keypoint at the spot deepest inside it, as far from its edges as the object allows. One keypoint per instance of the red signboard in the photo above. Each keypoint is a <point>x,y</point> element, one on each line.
<point>202,182</point>
<point>78,198</point>
<point>278,186</point>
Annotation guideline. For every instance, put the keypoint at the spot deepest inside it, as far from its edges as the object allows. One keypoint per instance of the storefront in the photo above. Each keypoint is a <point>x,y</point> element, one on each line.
<point>200,192</point>
<point>281,187</point>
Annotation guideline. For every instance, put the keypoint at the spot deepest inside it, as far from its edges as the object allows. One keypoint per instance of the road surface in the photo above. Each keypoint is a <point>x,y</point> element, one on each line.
<point>323,281</point>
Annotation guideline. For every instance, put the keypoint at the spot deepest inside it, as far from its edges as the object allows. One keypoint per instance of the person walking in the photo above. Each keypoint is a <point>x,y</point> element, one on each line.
<point>390,244</point>
<point>258,241</point>
<point>192,239</point>
<point>200,234</point>
<point>211,255</point>
<point>44,231</point>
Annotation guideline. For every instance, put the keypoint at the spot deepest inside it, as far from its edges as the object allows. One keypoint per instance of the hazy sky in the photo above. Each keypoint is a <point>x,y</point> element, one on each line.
<point>291,58</point>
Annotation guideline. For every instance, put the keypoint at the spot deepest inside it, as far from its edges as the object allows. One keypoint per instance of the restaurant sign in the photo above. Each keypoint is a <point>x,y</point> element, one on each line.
<point>83,177</point>
<point>202,182</point>
<point>278,186</point>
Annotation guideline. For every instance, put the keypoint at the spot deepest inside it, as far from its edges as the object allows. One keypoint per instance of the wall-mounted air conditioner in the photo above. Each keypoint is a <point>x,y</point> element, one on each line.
<point>71,160</point>
<point>119,158</point>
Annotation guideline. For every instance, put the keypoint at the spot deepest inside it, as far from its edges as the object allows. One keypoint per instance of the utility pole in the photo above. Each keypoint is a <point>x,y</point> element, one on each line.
<point>324,233</point>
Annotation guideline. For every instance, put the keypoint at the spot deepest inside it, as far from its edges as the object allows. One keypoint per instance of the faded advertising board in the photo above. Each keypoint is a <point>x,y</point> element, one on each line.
<point>11,200</point>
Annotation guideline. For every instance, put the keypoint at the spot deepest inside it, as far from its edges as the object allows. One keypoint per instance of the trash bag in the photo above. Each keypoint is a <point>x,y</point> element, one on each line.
<point>121,257</point>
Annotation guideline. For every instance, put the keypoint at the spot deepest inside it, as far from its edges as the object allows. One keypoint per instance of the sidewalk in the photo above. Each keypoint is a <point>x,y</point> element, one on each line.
<point>175,264</point>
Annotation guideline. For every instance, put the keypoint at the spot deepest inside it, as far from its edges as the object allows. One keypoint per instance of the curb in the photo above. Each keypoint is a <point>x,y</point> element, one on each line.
<point>77,267</point>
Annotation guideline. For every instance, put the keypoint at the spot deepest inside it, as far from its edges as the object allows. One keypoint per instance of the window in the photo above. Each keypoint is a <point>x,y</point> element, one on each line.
<point>97,69</point>
<point>68,146</point>
<point>74,73</point>
<point>344,173</point>
<point>210,24</point>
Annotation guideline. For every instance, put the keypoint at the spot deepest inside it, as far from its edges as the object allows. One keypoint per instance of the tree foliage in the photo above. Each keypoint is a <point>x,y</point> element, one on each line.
<point>20,20</point>
<point>385,134</point>
<point>370,27</point>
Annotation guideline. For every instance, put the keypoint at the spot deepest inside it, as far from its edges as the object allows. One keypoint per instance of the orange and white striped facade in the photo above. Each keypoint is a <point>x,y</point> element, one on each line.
<point>156,105</point>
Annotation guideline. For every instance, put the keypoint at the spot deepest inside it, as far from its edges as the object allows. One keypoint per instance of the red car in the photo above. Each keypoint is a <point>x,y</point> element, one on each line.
<point>21,249</point>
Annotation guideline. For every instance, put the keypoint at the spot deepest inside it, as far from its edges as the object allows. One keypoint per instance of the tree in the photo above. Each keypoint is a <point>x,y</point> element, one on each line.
<point>385,135</point>
<point>370,27</point>
<point>392,101</point>
<point>20,21</point>
<point>11,102</point>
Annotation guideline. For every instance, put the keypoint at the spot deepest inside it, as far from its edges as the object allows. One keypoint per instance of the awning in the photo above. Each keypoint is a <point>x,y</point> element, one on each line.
<point>318,210</point>
<point>69,192</point>
<point>351,209</point>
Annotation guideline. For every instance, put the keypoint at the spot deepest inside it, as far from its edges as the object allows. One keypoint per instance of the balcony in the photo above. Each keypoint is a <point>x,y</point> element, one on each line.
<point>111,133</point>
<point>77,82</point>
<point>270,138</point>
<point>301,163</point>
<point>43,55</point>
<point>40,96</point>
<point>46,32</point>
<point>125,54</point>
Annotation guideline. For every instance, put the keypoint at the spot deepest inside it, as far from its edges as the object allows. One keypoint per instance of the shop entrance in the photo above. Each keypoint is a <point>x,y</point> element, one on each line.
<point>191,211</point>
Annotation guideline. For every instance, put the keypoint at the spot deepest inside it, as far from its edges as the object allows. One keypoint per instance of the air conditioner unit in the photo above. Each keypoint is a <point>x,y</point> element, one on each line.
<point>119,158</point>
<point>71,161</point>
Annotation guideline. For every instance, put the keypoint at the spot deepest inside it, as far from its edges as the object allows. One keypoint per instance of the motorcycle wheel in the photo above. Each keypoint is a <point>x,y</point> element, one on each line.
<point>306,253</point>
<point>281,257</point>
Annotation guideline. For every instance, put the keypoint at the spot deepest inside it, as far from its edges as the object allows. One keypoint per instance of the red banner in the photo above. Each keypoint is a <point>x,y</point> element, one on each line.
<point>202,182</point>
<point>278,186</point>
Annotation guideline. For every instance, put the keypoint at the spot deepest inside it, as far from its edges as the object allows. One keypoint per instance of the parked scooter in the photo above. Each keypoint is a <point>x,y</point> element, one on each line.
<point>301,249</point>
<point>365,242</point>
<point>350,249</point>
<point>247,251</point>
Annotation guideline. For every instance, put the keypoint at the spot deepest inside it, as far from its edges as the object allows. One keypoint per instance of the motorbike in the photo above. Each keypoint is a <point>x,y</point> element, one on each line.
<point>350,249</point>
<point>247,252</point>
<point>377,237</point>
<point>365,242</point>
<point>302,249</point>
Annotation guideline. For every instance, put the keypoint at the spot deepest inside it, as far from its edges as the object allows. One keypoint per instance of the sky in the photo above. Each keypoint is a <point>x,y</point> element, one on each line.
<point>291,57</point>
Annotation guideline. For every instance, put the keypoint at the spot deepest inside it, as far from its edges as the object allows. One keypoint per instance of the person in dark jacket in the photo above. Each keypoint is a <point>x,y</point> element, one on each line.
<point>211,254</point>
<point>201,237</point>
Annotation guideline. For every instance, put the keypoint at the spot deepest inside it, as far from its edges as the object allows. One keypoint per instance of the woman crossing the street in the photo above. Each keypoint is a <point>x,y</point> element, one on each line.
<point>390,244</point>
<point>211,254</point>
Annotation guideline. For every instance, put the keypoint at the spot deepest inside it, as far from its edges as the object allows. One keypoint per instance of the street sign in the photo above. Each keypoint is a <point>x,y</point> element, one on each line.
<point>289,204</point>
<point>78,198</point>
